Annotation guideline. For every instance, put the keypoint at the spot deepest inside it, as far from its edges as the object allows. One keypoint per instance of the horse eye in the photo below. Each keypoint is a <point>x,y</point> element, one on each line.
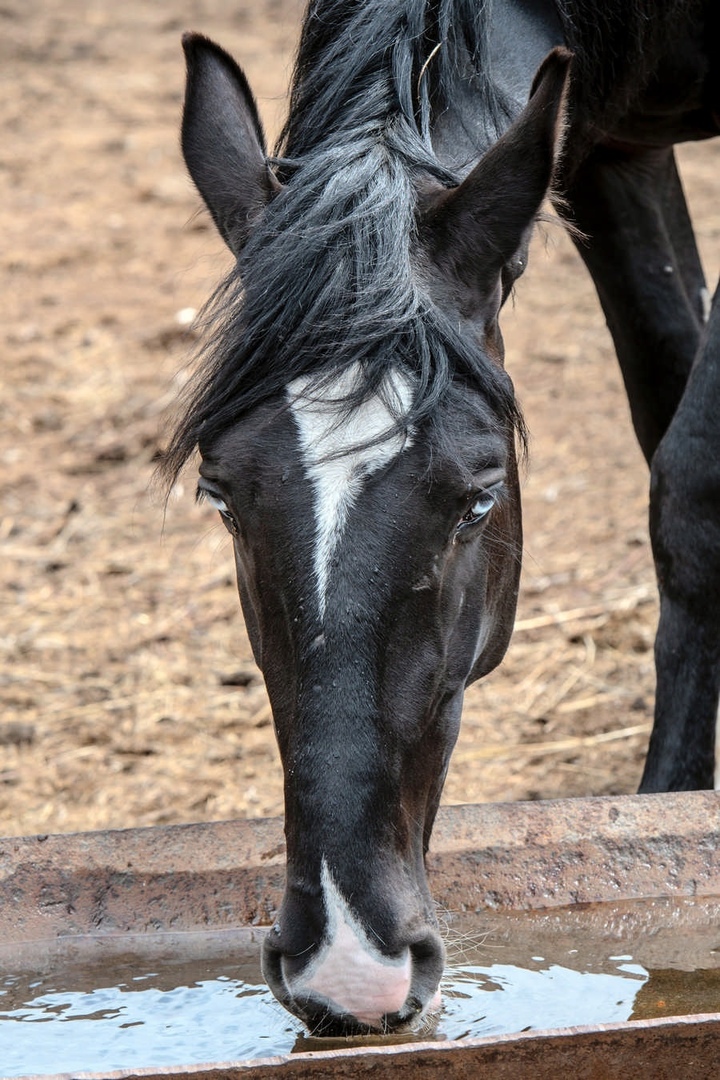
<point>217,503</point>
<point>228,520</point>
<point>222,508</point>
<point>480,508</point>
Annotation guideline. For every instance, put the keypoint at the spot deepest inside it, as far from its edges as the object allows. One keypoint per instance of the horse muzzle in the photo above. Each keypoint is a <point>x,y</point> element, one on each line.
<point>347,986</point>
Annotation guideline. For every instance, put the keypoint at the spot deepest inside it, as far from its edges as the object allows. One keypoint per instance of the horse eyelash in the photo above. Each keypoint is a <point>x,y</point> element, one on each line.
<point>203,495</point>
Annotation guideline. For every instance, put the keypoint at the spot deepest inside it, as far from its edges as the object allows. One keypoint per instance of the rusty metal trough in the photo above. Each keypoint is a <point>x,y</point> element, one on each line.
<point>96,889</point>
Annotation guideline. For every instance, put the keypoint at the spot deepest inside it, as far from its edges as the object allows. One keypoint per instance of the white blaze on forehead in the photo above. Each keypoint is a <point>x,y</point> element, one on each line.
<point>335,452</point>
<point>349,971</point>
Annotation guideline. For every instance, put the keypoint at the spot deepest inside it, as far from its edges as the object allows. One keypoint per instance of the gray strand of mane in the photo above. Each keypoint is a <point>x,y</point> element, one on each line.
<point>327,277</point>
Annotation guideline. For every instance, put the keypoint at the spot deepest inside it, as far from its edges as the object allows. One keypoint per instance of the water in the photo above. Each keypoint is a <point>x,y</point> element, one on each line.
<point>137,1011</point>
<point>168,1015</point>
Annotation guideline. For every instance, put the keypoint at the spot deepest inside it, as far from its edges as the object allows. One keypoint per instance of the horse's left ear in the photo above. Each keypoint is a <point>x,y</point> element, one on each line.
<point>471,231</point>
<point>223,140</point>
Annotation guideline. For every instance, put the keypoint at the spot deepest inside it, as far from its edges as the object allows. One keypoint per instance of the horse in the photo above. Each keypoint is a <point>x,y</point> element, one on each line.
<point>359,436</point>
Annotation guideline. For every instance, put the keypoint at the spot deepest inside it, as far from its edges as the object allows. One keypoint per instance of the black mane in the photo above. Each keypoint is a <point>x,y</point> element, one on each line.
<point>360,61</point>
<point>329,275</point>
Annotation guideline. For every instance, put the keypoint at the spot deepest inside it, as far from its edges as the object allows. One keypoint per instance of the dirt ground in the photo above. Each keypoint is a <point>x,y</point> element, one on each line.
<point>128,692</point>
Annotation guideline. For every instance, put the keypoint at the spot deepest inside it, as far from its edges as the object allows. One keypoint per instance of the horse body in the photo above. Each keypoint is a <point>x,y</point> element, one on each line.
<point>357,429</point>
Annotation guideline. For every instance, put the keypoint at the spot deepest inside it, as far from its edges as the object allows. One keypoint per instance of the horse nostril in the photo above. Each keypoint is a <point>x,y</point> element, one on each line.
<point>428,955</point>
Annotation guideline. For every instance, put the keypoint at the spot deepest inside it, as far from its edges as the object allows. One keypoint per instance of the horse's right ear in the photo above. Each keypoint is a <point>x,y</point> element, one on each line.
<point>473,230</point>
<point>223,141</point>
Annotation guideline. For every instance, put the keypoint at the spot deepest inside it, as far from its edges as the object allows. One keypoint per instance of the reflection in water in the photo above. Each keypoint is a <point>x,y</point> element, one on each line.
<point>144,1021</point>
<point>677,993</point>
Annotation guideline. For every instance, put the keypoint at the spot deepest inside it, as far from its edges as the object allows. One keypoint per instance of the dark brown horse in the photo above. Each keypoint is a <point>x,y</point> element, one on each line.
<point>358,432</point>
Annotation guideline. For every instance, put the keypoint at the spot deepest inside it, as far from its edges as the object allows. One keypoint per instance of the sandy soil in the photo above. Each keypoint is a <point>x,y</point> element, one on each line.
<point>128,693</point>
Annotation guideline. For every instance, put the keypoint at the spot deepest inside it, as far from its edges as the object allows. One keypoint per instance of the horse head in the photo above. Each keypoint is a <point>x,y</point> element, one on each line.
<point>358,438</point>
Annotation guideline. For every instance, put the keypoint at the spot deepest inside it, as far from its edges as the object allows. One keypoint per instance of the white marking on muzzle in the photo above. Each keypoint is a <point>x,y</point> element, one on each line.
<point>335,451</point>
<point>349,972</point>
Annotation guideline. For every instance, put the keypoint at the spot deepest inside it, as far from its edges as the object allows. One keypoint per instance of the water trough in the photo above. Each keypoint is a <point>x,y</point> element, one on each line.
<point>640,873</point>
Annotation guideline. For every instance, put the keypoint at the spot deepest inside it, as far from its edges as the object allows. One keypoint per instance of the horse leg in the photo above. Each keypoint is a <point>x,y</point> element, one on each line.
<point>685,528</point>
<point>639,247</point>
<point>641,252</point>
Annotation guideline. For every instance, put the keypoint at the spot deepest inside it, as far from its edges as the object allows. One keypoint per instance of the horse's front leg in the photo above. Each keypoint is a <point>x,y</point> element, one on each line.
<point>639,247</point>
<point>641,252</point>
<point>685,528</point>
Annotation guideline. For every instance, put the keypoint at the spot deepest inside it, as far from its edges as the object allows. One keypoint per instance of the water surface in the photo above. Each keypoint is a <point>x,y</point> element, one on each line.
<point>139,1012</point>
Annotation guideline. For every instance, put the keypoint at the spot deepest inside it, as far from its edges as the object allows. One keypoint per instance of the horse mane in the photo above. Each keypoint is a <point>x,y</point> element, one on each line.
<point>327,278</point>
<point>359,59</point>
